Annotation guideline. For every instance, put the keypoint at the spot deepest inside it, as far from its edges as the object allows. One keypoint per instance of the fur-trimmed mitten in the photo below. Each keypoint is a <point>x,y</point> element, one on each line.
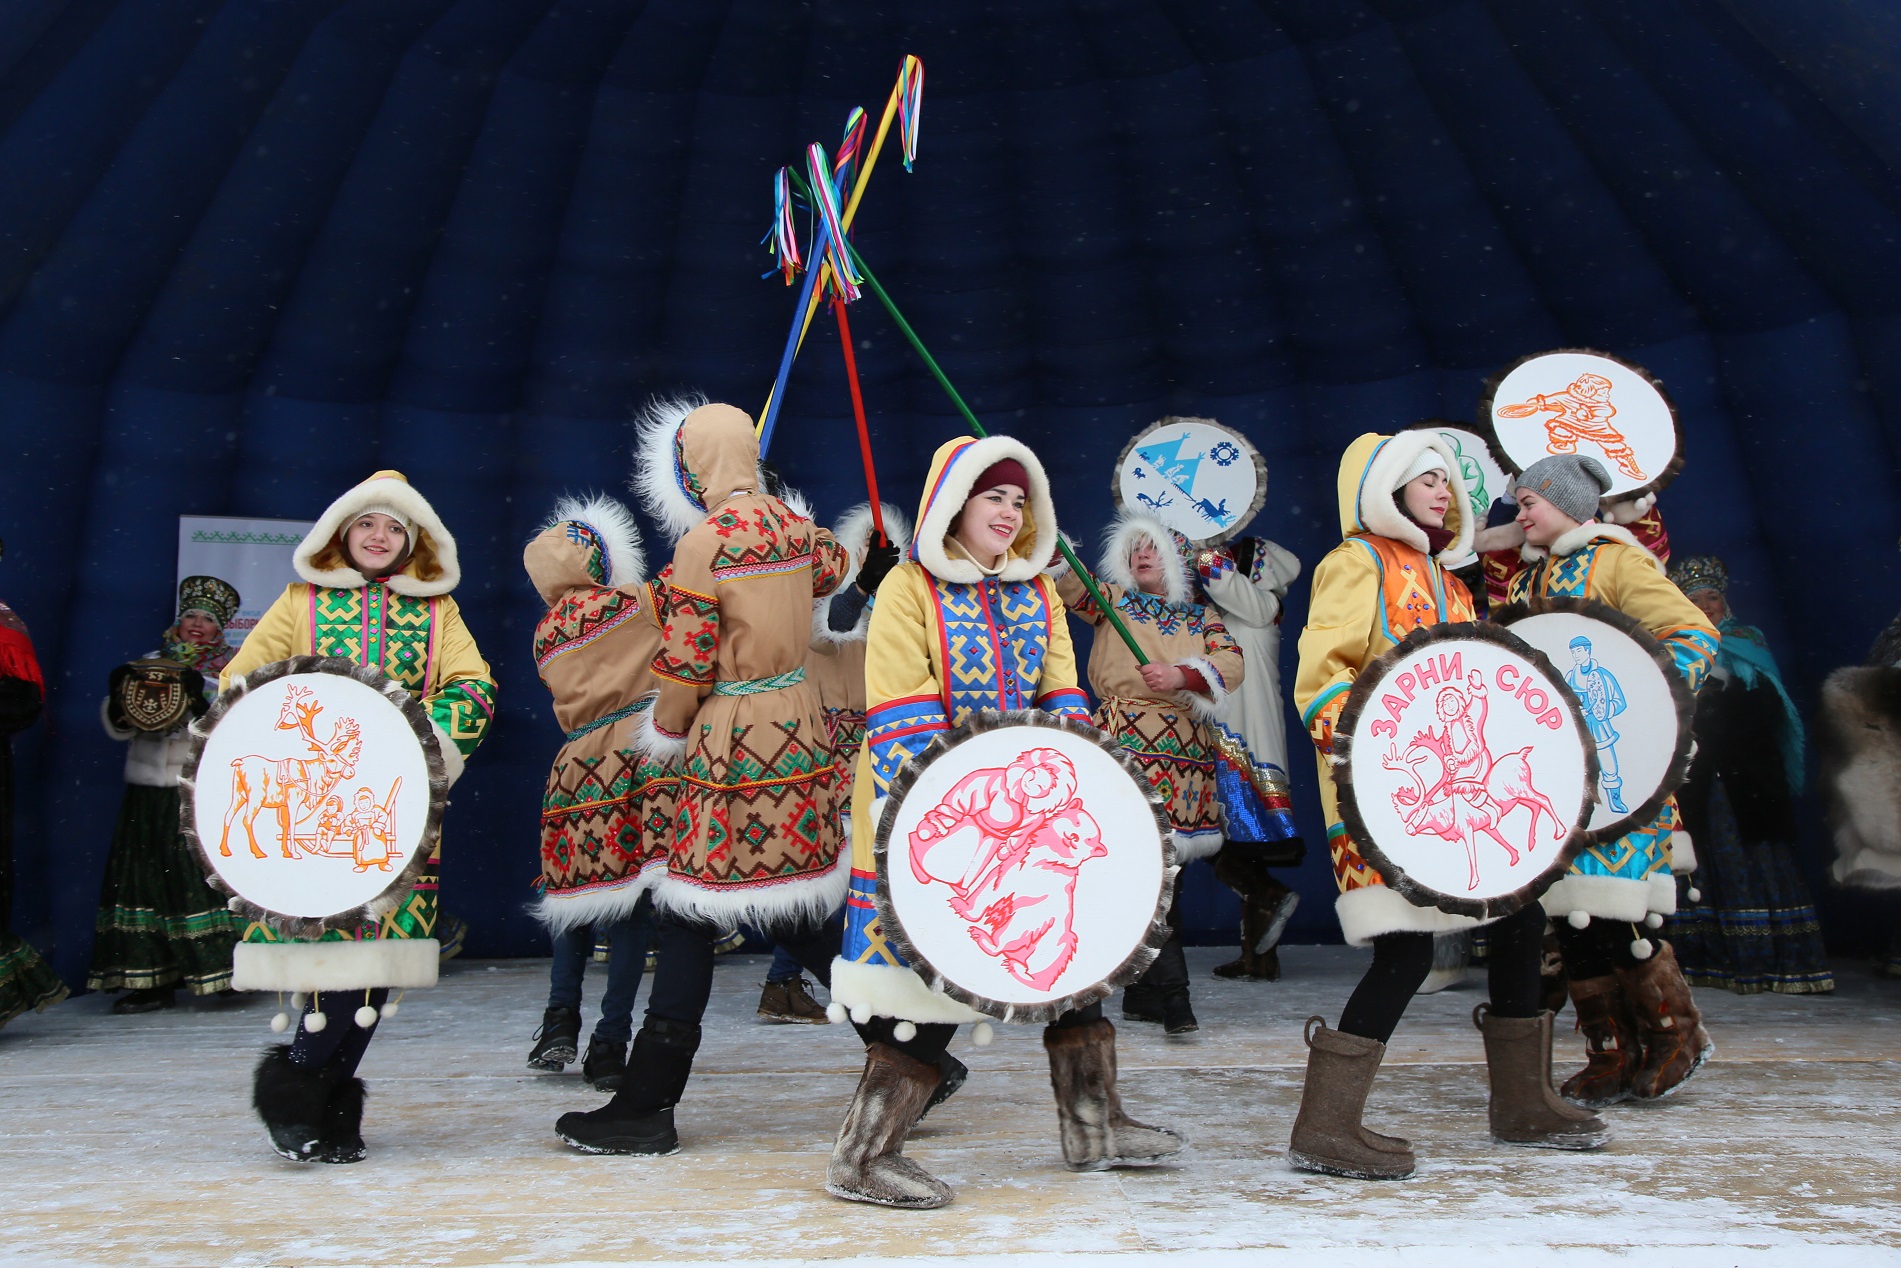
<point>868,1162</point>
<point>1096,1134</point>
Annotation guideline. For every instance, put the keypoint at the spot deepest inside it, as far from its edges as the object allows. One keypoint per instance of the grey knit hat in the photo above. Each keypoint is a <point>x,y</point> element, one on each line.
<point>1571,482</point>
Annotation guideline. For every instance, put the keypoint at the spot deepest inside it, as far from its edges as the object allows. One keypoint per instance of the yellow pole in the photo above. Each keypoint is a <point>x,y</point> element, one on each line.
<point>851,211</point>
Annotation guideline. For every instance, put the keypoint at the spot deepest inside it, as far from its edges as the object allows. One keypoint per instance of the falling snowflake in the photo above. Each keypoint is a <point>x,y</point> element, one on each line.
<point>1224,453</point>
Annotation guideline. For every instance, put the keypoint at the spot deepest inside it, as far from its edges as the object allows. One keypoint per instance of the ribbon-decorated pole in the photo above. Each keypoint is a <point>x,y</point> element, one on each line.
<point>858,413</point>
<point>904,105</point>
<point>970,419</point>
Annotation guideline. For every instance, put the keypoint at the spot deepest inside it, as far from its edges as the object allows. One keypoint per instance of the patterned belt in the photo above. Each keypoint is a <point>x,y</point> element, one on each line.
<point>610,719</point>
<point>759,686</point>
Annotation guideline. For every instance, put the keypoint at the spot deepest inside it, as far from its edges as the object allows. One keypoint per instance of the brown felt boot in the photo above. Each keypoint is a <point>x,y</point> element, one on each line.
<point>1096,1133</point>
<point>1610,1035</point>
<point>1261,924</point>
<point>1328,1136</point>
<point>868,1162</point>
<point>1524,1110</point>
<point>1675,1043</point>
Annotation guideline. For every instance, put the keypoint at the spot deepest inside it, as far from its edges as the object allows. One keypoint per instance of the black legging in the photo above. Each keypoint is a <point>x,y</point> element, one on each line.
<point>1401,962</point>
<point>1597,949</point>
<point>341,1043</point>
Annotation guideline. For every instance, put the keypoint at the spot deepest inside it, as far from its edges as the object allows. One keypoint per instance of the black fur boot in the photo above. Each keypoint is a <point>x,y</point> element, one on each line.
<point>639,1120</point>
<point>292,1102</point>
<point>342,1138</point>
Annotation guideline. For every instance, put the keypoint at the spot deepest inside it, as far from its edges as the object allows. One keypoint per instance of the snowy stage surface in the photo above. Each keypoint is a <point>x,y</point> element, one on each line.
<point>129,1140</point>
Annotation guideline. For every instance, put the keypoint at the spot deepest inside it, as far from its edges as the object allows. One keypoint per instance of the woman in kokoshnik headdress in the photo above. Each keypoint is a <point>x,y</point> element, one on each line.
<point>1642,1029</point>
<point>159,925</point>
<point>755,831</point>
<point>377,569</point>
<point>607,808</point>
<point>1164,713</point>
<point>1748,923</point>
<point>968,622</point>
<point>1401,513</point>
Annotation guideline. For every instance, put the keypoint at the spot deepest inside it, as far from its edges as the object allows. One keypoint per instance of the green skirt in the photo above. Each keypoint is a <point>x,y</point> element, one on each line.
<point>159,923</point>
<point>25,980</point>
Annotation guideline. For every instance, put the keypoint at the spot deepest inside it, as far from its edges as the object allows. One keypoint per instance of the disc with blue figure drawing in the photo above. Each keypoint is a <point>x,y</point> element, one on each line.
<point>1198,477</point>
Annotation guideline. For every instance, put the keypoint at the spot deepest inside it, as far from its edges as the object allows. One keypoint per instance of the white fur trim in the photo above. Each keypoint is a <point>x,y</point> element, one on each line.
<point>793,500</point>
<point>1190,846</point>
<point>972,461</point>
<point>853,532</point>
<point>1371,910</point>
<point>1119,540</point>
<point>1379,509</point>
<point>1212,707</point>
<point>1624,511</point>
<point>1662,896</point>
<point>1682,853</point>
<point>808,898</point>
<point>562,912</point>
<point>880,990</point>
<point>335,966</point>
<point>1509,536</point>
<point>652,741</point>
<point>618,530</point>
<point>1601,897</point>
<point>385,491</point>
<point>656,473</point>
<point>1597,530</point>
<point>452,762</point>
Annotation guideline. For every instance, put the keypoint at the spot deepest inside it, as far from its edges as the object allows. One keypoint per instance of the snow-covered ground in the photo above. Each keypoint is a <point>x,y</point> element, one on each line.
<point>129,1140</point>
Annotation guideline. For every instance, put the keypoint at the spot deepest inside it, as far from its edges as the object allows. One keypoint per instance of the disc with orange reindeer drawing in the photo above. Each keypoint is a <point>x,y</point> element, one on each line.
<point>313,794</point>
<point>1465,769</point>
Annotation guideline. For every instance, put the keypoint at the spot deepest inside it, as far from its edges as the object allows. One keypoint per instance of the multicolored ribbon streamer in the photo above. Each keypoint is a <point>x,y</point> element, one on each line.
<point>784,235</point>
<point>831,243</point>
<point>910,106</point>
<point>850,149</point>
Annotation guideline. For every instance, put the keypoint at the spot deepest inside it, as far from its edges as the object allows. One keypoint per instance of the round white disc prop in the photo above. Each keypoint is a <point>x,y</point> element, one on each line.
<point>1467,769</point>
<point>1202,479</point>
<point>314,793</point>
<point>1574,401</point>
<point>1024,867</point>
<point>1639,710</point>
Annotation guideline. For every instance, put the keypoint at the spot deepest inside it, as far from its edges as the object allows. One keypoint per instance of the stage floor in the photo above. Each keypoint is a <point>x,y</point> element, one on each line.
<point>129,1140</point>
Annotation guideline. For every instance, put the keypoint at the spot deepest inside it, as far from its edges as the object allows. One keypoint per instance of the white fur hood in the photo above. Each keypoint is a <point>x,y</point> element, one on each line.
<point>430,539</point>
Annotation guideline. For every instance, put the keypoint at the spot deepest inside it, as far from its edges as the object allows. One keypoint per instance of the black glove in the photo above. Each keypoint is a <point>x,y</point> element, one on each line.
<point>1242,548</point>
<point>842,613</point>
<point>880,559</point>
<point>195,693</point>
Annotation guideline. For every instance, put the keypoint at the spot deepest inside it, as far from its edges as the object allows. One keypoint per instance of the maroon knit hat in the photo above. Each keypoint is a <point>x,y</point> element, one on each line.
<point>1005,471</point>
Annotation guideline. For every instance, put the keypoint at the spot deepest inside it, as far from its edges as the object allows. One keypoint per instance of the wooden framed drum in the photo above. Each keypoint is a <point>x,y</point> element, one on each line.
<point>1640,711</point>
<point>1573,400</point>
<point>314,793</point>
<point>1465,769</point>
<point>1025,868</point>
<point>1201,479</point>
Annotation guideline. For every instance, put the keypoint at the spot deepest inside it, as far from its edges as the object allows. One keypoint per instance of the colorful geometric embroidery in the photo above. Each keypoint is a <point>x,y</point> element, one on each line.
<point>899,730</point>
<point>578,619</point>
<point>1176,757</point>
<point>1350,869</point>
<point>598,819</point>
<point>693,626</point>
<point>762,814</point>
<point>994,637</point>
<point>864,937</point>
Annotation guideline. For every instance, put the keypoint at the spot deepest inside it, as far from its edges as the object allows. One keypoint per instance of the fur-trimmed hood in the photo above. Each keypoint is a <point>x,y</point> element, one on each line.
<point>1129,530</point>
<point>321,560</point>
<point>590,541</point>
<point>954,468</point>
<point>689,456</point>
<point>1369,503</point>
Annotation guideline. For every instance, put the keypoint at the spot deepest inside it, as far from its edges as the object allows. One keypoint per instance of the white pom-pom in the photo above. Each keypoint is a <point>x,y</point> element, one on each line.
<point>313,1022</point>
<point>1578,919</point>
<point>297,999</point>
<point>233,903</point>
<point>280,1023</point>
<point>389,1010</point>
<point>982,1033</point>
<point>366,1016</point>
<point>1694,894</point>
<point>1640,949</point>
<point>835,1013</point>
<point>861,1015</point>
<point>1654,920</point>
<point>904,1032</point>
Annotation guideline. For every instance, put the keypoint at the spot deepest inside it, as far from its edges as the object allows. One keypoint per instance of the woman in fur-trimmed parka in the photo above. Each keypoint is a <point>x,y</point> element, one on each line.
<point>1643,1031</point>
<point>377,570</point>
<point>968,622</point>
<point>1401,515</point>
<point>1165,713</point>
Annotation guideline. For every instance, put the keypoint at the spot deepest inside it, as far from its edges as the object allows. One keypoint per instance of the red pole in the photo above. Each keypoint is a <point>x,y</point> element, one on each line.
<point>858,412</point>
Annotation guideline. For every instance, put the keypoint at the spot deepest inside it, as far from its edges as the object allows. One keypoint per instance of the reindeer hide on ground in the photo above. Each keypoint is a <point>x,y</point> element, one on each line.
<point>1858,738</point>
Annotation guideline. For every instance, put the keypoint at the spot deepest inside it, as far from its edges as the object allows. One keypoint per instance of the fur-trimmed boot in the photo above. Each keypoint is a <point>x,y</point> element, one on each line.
<point>1675,1043</point>
<point>1328,1135</point>
<point>1096,1134</point>
<point>291,1100</point>
<point>1524,1110</point>
<point>1613,1049</point>
<point>868,1162</point>
<point>342,1136</point>
<point>639,1120</point>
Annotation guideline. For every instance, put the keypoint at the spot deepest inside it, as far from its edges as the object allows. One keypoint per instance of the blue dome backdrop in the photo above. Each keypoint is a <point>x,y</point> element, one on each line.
<point>253,250</point>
